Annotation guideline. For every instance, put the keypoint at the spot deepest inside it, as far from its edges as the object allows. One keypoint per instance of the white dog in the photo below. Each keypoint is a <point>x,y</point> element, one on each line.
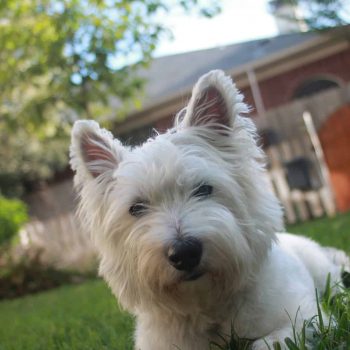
<point>185,226</point>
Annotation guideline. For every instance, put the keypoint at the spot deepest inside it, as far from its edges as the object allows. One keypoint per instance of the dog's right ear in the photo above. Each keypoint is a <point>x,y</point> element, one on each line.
<point>93,151</point>
<point>215,103</point>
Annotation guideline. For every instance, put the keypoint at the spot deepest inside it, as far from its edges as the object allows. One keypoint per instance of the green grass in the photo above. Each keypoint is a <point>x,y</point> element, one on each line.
<point>316,333</point>
<point>333,232</point>
<point>71,317</point>
<point>87,316</point>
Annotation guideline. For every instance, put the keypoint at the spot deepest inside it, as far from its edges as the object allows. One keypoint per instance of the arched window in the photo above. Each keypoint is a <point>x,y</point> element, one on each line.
<point>314,86</point>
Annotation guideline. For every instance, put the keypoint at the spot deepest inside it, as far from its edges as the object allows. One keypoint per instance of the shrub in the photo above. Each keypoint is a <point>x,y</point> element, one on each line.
<point>13,214</point>
<point>28,275</point>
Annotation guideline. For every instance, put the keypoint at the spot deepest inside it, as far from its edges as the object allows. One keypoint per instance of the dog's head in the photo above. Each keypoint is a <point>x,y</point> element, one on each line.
<point>188,216</point>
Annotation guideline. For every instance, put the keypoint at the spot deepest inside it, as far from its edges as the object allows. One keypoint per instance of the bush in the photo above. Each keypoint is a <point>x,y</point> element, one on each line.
<point>13,214</point>
<point>28,275</point>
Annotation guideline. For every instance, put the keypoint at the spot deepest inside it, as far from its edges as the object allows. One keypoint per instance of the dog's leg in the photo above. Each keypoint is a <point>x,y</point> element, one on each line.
<point>320,261</point>
<point>168,334</point>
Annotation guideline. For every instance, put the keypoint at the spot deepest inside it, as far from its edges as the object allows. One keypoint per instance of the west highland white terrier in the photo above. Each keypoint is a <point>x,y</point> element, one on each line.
<point>186,228</point>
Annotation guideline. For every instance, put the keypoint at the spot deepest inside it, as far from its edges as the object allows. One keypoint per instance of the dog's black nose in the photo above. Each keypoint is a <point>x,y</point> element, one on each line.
<point>185,253</point>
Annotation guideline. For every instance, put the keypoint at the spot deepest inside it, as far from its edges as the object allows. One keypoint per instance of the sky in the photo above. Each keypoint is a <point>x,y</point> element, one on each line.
<point>240,20</point>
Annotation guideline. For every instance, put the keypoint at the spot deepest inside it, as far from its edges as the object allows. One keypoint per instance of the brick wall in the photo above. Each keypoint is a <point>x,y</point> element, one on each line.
<point>334,136</point>
<point>279,90</point>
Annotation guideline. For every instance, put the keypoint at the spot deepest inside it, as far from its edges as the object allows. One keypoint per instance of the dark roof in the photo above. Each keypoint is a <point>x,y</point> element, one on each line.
<point>169,76</point>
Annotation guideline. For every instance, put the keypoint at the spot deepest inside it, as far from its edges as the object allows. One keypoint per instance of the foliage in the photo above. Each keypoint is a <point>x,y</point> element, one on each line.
<point>28,275</point>
<point>318,14</point>
<point>317,333</point>
<point>27,158</point>
<point>13,214</point>
<point>64,59</point>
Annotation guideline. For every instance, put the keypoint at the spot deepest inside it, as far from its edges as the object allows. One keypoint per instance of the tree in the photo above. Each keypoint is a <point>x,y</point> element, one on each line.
<point>64,59</point>
<point>317,14</point>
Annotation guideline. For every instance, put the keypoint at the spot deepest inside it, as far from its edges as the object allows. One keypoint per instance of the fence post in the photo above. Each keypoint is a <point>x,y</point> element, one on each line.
<point>327,193</point>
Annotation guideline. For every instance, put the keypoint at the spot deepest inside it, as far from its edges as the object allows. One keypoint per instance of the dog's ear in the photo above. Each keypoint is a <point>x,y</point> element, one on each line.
<point>215,102</point>
<point>93,150</point>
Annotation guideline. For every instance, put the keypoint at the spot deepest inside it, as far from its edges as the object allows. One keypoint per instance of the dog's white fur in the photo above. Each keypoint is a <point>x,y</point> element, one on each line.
<point>253,280</point>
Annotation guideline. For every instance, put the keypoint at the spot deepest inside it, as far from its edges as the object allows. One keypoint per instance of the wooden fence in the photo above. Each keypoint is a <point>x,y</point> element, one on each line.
<point>295,140</point>
<point>61,241</point>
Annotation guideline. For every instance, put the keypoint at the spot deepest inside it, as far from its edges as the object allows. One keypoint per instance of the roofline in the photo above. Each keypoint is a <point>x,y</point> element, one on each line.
<point>289,58</point>
<point>293,61</point>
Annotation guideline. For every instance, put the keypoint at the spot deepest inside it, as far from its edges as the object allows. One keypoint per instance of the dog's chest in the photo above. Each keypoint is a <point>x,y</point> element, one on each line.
<point>186,333</point>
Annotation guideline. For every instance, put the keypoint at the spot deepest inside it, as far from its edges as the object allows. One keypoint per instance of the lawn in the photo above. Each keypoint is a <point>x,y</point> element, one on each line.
<point>87,316</point>
<point>71,317</point>
<point>333,232</point>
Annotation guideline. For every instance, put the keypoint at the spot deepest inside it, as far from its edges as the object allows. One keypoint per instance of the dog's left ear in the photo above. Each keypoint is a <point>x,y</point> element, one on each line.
<point>215,102</point>
<point>93,151</point>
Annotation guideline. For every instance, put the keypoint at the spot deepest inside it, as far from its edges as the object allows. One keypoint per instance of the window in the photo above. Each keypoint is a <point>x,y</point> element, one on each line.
<point>314,86</point>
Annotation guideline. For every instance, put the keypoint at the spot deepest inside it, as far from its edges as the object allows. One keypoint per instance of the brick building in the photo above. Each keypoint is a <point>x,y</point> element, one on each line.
<point>270,72</point>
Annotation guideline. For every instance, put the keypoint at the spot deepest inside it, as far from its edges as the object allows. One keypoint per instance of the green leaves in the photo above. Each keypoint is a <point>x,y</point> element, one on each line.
<point>66,59</point>
<point>76,48</point>
<point>317,14</point>
<point>13,214</point>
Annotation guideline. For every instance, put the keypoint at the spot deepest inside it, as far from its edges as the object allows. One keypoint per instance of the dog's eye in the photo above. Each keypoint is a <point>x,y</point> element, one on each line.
<point>138,209</point>
<point>203,191</point>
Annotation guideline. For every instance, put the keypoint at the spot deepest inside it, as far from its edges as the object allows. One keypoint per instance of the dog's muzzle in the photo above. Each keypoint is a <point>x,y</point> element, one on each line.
<point>185,253</point>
